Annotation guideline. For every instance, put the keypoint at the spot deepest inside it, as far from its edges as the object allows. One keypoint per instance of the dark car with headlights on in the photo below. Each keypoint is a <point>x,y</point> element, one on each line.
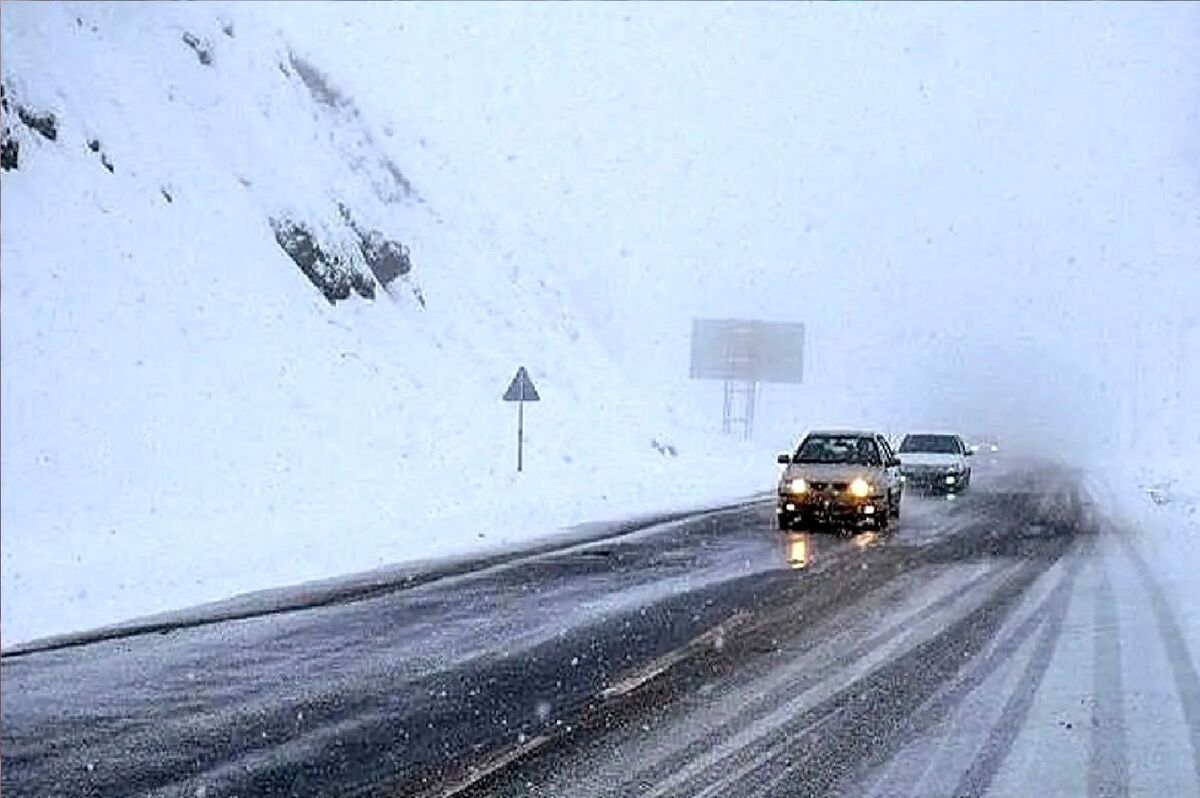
<point>850,478</point>
<point>935,462</point>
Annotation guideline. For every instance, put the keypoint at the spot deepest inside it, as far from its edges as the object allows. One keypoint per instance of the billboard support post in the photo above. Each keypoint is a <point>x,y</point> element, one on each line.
<point>739,397</point>
<point>742,353</point>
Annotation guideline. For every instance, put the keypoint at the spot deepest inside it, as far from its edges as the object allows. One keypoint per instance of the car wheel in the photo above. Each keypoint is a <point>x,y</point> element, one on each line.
<point>784,523</point>
<point>882,518</point>
<point>896,505</point>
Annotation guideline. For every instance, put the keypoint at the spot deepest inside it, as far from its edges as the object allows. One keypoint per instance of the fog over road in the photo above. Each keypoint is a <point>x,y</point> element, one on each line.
<point>711,655</point>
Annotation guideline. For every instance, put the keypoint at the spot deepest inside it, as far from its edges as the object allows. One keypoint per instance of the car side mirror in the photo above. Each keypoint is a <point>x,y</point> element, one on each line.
<point>784,459</point>
<point>894,462</point>
<point>970,452</point>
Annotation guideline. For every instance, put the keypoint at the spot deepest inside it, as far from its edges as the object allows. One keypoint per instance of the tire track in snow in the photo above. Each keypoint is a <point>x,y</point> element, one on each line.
<point>1108,765</point>
<point>822,747</point>
<point>760,718</point>
<point>1187,681</point>
<point>978,777</point>
<point>871,714</point>
<point>963,710</point>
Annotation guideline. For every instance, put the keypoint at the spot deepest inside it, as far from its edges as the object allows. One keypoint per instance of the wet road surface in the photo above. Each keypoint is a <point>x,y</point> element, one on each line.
<point>706,656</point>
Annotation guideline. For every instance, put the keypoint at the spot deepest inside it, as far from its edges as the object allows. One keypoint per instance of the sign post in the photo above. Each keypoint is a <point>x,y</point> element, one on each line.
<point>521,390</point>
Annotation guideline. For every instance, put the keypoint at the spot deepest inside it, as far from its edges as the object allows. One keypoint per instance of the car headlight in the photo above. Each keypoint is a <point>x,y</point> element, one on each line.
<point>860,488</point>
<point>797,486</point>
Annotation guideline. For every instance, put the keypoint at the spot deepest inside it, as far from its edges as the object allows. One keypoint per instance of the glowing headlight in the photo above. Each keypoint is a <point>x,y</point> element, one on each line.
<point>797,486</point>
<point>860,488</point>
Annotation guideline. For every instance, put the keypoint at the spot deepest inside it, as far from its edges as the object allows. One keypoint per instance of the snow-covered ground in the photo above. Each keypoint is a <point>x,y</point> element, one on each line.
<point>186,417</point>
<point>1155,504</point>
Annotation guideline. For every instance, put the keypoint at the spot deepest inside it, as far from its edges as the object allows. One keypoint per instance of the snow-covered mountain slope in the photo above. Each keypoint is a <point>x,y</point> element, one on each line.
<point>189,412</point>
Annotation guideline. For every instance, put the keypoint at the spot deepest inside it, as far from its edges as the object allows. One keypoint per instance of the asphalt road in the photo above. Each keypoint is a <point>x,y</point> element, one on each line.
<point>707,656</point>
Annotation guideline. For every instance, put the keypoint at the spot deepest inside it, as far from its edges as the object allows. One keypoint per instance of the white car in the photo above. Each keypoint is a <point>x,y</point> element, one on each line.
<point>935,461</point>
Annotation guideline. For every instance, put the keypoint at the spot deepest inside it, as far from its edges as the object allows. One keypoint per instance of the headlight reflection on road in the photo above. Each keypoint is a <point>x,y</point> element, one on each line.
<point>799,549</point>
<point>865,540</point>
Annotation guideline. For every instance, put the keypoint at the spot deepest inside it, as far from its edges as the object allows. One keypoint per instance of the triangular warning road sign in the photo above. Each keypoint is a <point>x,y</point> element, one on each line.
<point>521,388</point>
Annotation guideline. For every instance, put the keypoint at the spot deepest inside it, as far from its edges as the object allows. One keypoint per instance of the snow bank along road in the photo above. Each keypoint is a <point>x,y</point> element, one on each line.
<point>1005,642</point>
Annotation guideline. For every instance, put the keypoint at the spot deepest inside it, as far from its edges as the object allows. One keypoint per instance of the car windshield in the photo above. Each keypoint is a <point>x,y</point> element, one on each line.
<point>930,444</point>
<point>838,449</point>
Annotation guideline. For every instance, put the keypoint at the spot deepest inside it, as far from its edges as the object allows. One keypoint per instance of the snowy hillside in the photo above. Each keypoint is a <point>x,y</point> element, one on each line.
<point>249,340</point>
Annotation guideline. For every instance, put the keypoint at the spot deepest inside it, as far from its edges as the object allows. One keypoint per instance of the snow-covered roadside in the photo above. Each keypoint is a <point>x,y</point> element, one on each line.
<point>186,416</point>
<point>466,557</point>
<point>1157,504</point>
<point>99,581</point>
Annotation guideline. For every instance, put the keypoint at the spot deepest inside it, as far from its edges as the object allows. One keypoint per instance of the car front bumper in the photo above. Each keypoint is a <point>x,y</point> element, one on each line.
<point>942,480</point>
<point>840,508</point>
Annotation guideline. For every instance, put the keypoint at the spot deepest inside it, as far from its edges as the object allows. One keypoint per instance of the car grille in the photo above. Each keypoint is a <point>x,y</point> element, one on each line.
<point>828,486</point>
<point>925,470</point>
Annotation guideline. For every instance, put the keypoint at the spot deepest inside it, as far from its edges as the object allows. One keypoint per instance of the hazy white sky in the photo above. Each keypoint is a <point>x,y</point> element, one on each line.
<point>972,203</point>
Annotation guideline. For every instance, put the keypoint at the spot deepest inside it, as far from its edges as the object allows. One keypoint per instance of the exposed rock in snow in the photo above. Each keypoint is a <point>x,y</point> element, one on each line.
<point>201,47</point>
<point>330,273</point>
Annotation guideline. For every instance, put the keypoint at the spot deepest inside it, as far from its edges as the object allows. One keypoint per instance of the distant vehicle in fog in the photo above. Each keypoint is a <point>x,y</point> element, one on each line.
<point>850,477</point>
<point>985,443</point>
<point>935,462</point>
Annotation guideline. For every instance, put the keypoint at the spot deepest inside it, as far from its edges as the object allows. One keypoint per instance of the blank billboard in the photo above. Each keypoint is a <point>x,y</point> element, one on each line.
<point>747,349</point>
